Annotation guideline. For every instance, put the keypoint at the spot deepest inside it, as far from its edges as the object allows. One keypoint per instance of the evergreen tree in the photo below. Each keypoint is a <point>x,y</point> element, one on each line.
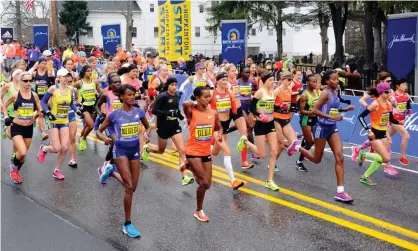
<point>74,16</point>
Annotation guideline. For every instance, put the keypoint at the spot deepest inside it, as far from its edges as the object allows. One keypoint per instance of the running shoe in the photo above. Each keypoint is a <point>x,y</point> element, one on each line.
<point>367,181</point>
<point>12,156</point>
<point>360,158</point>
<point>41,154</point>
<point>58,175</point>
<point>131,231</point>
<point>293,147</point>
<point>271,185</point>
<point>72,163</point>
<point>404,161</point>
<point>254,156</point>
<point>200,216</point>
<point>237,184</point>
<point>82,144</point>
<point>187,180</point>
<point>105,173</point>
<point>354,153</point>
<point>390,170</point>
<point>145,153</point>
<point>14,175</point>
<point>301,167</point>
<point>241,143</point>
<point>44,136</point>
<point>246,165</point>
<point>343,197</point>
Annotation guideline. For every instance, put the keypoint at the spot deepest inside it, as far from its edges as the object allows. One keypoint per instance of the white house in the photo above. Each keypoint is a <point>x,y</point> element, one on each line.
<point>295,41</point>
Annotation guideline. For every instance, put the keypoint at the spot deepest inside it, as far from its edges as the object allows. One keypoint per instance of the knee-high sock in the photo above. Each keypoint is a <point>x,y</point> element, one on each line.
<point>228,167</point>
<point>377,161</point>
<point>244,155</point>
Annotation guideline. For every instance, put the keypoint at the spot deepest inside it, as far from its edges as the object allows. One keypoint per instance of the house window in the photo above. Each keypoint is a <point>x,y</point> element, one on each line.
<point>134,32</point>
<point>90,32</point>
<point>270,32</point>
<point>155,31</point>
<point>253,32</point>
<point>151,7</point>
<point>197,31</point>
<point>201,8</point>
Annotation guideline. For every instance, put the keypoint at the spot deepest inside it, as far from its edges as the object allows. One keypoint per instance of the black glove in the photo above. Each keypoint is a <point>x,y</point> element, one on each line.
<point>102,117</point>
<point>50,116</point>
<point>179,115</point>
<point>8,121</point>
<point>80,114</point>
<point>300,92</point>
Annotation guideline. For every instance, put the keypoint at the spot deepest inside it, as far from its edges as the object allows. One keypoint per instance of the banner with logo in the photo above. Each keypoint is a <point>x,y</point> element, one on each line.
<point>40,36</point>
<point>234,40</point>
<point>401,46</point>
<point>163,27</point>
<point>111,37</point>
<point>6,33</point>
<point>179,43</point>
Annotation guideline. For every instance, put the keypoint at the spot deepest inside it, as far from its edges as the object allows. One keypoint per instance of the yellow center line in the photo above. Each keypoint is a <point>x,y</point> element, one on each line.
<point>306,198</point>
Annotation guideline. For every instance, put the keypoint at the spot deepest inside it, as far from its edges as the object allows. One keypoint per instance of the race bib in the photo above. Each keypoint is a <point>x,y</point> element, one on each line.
<point>25,113</point>
<point>116,104</point>
<point>129,130</point>
<point>333,112</point>
<point>384,119</point>
<point>269,107</point>
<point>223,104</point>
<point>246,90</point>
<point>401,107</point>
<point>201,83</point>
<point>42,89</point>
<point>89,95</point>
<point>203,132</point>
<point>235,89</point>
<point>62,111</point>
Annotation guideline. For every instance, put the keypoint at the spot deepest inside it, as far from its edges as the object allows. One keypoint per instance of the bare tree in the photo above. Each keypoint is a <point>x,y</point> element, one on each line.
<point>127,13</point>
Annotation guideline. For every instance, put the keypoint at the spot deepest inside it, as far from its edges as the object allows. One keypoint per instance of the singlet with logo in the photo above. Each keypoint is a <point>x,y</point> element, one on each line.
<point>24,108</point>
<point>113,102</point>
<point>60,105</point>
<point>201,128</point>
<point>245,90</point>
<point>126,126</point>
<point>330,107</point>
<point>88,93</point>
<point>311,99</point>
<point>266,103</point>
<point>379,118</point>
<point>148,73</point>
<point>298,86</point>
<point>223,102</point>
<point>42,84</point>
<point>282,104</point>
<point>401,109</point>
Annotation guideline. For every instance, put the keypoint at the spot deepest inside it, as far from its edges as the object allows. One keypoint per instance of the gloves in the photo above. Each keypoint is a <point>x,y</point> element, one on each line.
<point>8,121</point>
<point>102,117</point>
<point>50,116</point>
<point>79,106</point>
<point>179,115</point>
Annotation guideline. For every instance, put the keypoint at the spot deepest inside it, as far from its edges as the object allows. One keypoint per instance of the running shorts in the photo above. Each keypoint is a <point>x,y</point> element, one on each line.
<point>58,126</point>
<point>25,131</point>
<point>238,115</point>
<point>204,158</point>
<point>89,109</point>
<point>294,107</point>
<point>378,134</point>
<point>262,128</point>
<point>225,125</point>
<point>166,132</point>
<point>245,108</point>
<point>71,117</point>
<point>308,121</point>
<point>321,131</point>
<point>132,153</point>
<point>282,122</point>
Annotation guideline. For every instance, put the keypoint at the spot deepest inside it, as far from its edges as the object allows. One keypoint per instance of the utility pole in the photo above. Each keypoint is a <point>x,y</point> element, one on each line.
<point>18,21</point>
<point>54,23</point>
<point>129,24</point>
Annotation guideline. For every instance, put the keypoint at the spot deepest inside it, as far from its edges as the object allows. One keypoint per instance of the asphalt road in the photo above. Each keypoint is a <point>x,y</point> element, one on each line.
<point>81,214</point>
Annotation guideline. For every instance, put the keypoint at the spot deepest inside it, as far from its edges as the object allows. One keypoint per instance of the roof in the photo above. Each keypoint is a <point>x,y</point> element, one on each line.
<point>104,6</point>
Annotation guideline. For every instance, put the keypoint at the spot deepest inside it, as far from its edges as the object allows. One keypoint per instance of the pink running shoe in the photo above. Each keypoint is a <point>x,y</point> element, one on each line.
<point>58,175</point>
<point>390,170</point>
<point>294,147</point>
<point>354,153</point>
<point>41,154</point>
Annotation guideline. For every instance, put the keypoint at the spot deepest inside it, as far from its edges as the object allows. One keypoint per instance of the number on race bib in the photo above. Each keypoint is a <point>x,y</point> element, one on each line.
<point>203,132</point>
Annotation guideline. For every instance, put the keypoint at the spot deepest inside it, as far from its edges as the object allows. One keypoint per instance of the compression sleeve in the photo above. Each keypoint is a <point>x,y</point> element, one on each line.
<point>44,101</point>
<point>408,104</point>
<point>253,107</point>
<point>361,119</point>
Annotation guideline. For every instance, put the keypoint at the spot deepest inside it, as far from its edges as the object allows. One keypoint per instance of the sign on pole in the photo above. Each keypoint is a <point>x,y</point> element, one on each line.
<point>111,37</point>
<point>41,36</point>
<point>234,40</point>
<point>6,34</point>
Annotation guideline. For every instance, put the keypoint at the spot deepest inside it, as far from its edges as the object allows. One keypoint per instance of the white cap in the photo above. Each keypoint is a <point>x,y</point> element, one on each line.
<point>46,53</point>
<point>62,72</point>
<point>16,72</point>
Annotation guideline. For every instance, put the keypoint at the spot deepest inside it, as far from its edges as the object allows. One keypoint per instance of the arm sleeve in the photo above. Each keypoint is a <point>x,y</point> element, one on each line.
<point>44,101</point>
<point>361,118</point>
<point>408,104</point>
<point>158,105</point>
<point>392,119</point>
<point>73,107</point>
<point>181,89</point>
<point>233,104</point>
<point>253,107</point>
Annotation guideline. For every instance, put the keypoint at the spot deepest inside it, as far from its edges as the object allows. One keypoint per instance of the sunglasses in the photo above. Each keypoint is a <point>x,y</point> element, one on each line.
<point>27,80</point>
<point>387,92</point>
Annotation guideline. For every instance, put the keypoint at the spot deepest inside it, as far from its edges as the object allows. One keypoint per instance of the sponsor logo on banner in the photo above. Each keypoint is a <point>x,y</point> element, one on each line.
<point>41,34</point>
<point>111,36</point>
<point>7,35</point>
<point>163,28</point>
<point>401,39</point>
<point>234,40</point>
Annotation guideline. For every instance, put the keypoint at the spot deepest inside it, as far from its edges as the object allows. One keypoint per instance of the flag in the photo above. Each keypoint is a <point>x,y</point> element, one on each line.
<point>28,4</point>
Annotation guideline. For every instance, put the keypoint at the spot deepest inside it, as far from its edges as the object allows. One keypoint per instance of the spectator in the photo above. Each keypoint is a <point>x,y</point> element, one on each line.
<point>68,53</point>
<point>18,50</point>
<point>24,55</point>
<point>121,53</point>
<point>137,59</point>
<point>268,66</point>
<point>285,62</point>
<point>278,66</point>
<point>10,53</point>
<point>249,61</point>
<point>181,65</point>
<point>190,65</point>
<point>33,55</point>
<point>81,48</point>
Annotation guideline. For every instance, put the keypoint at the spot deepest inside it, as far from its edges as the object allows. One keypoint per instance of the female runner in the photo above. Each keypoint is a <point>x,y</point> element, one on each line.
<point>307,119</point>
<point>125,123</point>
<point>380,111</point>
<point>210,71</point>
<point>61,102</point>
<point>8,90</point>
<point>325,130</point>
<point>203,121</point>
<point>24,103</point>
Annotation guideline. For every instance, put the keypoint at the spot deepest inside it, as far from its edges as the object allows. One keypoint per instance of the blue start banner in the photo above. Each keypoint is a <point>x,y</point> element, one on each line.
<point>352,132</point>
<point>401,46</point>
<point>111,37</point>
<point>234,40</point>
<point>41,36</point>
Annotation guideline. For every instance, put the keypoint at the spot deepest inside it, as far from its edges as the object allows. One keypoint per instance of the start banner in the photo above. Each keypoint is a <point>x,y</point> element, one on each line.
<point>163,27</point>
<point>180,30</point>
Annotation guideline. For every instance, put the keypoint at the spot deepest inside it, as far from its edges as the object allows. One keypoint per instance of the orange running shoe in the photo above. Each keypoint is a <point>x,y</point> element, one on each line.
<point>237,184</point>
<point>200,216</point>
<point>246,165</point>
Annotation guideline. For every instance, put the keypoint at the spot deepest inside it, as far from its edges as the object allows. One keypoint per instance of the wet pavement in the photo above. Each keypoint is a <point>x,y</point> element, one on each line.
<point>81,214</point>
